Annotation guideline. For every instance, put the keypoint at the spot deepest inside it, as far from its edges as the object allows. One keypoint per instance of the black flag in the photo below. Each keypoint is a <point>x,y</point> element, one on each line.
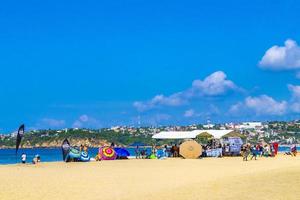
<point>20,136</point>
<point>65,147</point>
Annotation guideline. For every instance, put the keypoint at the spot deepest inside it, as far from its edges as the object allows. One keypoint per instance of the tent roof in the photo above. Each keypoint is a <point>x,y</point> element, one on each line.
<point>189,134</point>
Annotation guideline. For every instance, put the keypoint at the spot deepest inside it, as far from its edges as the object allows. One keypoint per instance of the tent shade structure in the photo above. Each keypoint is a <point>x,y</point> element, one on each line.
<point>190,134</point>
<point>65,147</point>
<point>190,149</point>
<point>20,135</point>
<point>107,153</point>
<point>232,145</point>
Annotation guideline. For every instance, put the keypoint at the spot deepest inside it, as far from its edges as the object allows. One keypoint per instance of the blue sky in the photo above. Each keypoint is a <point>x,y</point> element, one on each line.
<point>97,64</point>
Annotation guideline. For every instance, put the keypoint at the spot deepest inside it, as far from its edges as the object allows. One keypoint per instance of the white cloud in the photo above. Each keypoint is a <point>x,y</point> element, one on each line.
<point>160,100</point>
<point>85,121</point>
<point>260,105</point>
<point>153,119</point>
<point>189,113</point>
<point>215,84</point>
<point>265,105</point>
<point>285,57</point>
<point>295,101</point>
<point>84,118</point>
<point>295,107</point>
<point>295,90</point>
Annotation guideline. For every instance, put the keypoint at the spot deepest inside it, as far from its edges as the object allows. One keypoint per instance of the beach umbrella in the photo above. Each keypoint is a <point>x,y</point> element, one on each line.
<point>74,154</point>
<point>121,152</point>
<point>20,135</point>
<point>65,147</point>
<point>84,157</point>
<point>107,153</point>
<point>190,149</point>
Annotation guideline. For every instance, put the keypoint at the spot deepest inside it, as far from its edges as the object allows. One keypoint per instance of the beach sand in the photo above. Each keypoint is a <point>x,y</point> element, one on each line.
<point>176,179</point>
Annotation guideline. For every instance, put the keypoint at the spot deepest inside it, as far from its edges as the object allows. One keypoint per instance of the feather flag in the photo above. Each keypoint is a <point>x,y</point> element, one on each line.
<point>20,135</point>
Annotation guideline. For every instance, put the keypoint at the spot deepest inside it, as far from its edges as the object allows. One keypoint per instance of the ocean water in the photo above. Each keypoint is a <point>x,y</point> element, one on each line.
<point>8,156</point>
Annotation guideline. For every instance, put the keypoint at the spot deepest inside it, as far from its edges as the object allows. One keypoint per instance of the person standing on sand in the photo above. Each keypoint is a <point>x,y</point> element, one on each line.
<point>176,151</point>
<point>261,150</point>
<point>137,152</point>
<point>172,150</point>
<point>294,150</point>
<point>23,158</point>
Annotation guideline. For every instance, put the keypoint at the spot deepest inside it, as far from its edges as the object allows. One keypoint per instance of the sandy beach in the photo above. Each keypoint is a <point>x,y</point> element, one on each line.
<point>210,178</point>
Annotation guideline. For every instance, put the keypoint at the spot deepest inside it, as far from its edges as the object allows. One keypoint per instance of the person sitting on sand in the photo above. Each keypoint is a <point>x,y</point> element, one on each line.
<point>36,159</point>
<point>81,148</point>
<point>85,148</point>
<point>98,158</point>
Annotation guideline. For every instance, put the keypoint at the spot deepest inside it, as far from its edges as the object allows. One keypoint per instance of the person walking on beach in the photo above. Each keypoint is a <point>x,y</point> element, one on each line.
<point>23,158</point>
<point>246,152</point>
<point>254,152</point>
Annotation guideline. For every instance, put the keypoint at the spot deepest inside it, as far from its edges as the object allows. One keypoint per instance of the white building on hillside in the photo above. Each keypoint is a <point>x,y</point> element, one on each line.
<point>250,125</point>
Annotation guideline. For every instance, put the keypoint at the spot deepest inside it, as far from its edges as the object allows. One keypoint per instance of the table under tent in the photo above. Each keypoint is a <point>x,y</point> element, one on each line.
<point>189,147</point>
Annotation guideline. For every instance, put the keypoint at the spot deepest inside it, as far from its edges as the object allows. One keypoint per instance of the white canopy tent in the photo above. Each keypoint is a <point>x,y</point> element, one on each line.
<point>190,134</point>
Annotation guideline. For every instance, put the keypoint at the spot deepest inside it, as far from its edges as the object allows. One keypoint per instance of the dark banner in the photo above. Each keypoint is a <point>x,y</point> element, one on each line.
<point>20,135</point>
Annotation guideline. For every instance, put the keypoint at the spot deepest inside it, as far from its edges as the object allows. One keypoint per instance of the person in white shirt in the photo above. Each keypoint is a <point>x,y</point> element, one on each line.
<point>23,158</point>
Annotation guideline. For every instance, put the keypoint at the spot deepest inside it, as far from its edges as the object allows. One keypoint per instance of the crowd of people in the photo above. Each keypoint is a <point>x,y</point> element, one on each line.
<point>248,151</point>
<point>157,151</point>
<point>258,150</point>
